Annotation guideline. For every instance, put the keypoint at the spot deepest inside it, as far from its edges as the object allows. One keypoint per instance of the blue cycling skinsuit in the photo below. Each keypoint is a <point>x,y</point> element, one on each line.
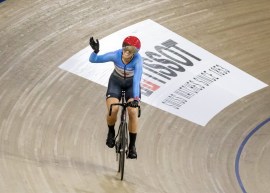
<point>124,76</point>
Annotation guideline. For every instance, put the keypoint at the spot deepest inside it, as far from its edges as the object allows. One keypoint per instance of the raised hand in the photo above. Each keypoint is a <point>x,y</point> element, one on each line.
<point>94,45</point>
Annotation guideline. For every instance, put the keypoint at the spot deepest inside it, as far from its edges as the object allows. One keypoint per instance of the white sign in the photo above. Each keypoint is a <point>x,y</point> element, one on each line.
<point>178,76</point>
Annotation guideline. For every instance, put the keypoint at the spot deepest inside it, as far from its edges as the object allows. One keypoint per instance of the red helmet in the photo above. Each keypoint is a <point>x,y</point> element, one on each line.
<point>132,41</point>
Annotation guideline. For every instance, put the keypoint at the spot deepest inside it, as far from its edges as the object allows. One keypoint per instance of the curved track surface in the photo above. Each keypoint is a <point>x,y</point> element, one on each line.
<point>52,123</point>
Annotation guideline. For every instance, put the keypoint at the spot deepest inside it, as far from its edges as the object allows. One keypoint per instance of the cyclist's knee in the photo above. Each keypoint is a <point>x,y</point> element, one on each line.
<point>114,111</point>
<point>110,101</point>
<point>132,112</point>
<point>111,119</point>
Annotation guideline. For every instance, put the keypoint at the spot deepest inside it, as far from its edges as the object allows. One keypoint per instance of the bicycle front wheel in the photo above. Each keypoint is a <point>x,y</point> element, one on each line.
<point>123,150</point>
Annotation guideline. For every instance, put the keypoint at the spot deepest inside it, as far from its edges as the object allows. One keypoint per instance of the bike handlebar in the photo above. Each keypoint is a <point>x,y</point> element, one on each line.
<point>125,105</point>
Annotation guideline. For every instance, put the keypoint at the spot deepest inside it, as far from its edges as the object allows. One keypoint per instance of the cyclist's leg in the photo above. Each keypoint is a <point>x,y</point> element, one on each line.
<point>113,95</point>
<point>132,125</point>
<point>111,119</point>
<point>133,129</point>
<point>132,112</point>
<point>133,118</point>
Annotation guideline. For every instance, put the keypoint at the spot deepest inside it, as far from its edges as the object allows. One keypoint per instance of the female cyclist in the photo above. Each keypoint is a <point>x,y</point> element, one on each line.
<point>126,76</point>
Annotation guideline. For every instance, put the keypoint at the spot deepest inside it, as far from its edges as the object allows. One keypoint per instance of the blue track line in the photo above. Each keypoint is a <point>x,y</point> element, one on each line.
<point>241,149</point>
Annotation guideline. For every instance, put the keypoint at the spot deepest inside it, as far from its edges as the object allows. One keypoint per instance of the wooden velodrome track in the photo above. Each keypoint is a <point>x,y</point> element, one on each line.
<point>52,123</point>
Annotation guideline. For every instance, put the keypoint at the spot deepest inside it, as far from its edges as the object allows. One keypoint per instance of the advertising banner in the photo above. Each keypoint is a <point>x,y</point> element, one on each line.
<point>178,76</point>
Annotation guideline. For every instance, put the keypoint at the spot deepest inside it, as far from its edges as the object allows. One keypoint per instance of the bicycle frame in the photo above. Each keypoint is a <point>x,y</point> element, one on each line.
<point>122,140</point>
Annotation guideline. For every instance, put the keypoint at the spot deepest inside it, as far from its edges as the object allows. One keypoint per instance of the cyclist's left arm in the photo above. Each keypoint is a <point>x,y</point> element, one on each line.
<point>137,78</point>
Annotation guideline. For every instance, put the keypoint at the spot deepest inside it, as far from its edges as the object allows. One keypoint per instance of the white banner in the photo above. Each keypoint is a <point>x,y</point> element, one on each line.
<point>178,76</point>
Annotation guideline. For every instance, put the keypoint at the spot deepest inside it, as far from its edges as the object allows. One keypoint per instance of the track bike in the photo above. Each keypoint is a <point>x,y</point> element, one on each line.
<point>121,139</point>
